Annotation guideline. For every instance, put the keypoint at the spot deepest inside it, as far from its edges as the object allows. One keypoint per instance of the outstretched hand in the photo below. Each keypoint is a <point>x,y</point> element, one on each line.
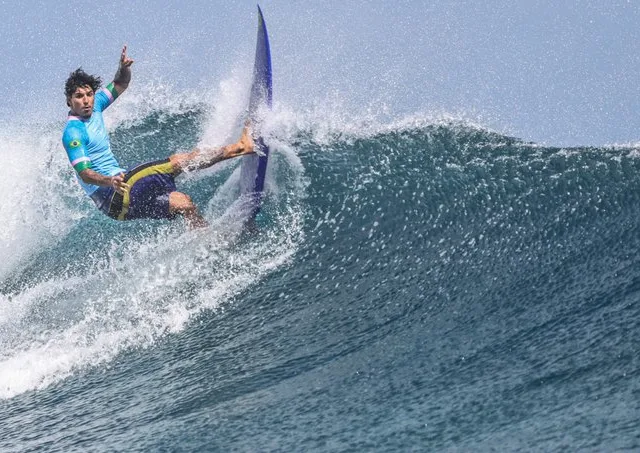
<point>123,74</point>
<point>125,61</point>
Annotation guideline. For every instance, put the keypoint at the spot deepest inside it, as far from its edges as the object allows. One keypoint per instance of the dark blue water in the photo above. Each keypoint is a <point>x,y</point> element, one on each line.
<point>437,287</point>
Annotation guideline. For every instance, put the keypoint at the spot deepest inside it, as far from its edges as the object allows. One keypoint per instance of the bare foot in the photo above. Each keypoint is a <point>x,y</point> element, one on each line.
<point>247,140</point>
<point>244,145</point>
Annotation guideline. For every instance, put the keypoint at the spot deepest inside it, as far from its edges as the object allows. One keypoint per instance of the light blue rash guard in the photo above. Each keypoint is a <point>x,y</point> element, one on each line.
<point>87,142</point>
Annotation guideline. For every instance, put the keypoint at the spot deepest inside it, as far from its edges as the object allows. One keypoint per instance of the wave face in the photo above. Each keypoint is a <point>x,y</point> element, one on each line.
<point>421,284</point>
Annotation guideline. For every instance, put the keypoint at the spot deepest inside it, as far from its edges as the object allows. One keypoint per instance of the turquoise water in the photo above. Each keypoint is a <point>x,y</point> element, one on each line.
<point>421,284</point>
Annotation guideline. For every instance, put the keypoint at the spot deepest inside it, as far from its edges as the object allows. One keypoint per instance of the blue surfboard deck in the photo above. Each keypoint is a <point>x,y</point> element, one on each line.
<point>253,168</point>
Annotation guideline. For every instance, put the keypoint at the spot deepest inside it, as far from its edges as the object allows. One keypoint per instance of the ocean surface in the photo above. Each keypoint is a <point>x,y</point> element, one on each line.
<point>416,284</point>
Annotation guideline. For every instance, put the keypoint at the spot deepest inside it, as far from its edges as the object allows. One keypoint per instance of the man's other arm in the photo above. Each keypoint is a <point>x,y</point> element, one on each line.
<point>93,177</point>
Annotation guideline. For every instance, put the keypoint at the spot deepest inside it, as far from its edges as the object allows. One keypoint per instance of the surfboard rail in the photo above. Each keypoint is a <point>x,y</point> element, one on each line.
<point>253,168</point>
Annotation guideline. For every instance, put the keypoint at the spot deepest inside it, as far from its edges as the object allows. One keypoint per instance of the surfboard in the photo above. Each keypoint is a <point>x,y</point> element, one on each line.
<point>253,168</point>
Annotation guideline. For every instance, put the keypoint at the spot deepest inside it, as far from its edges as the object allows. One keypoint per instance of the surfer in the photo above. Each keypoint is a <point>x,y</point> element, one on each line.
<point>147,190</point>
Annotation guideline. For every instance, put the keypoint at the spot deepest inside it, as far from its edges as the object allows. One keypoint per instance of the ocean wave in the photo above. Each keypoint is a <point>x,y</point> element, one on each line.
<point>351,201</point>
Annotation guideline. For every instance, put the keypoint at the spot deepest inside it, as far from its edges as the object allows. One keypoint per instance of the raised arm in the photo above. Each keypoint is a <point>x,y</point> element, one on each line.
<point>123,75</point>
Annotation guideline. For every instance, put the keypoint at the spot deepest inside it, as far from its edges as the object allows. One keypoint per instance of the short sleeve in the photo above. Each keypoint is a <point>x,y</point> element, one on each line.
<point>75,142</point>
<point>105,97</point>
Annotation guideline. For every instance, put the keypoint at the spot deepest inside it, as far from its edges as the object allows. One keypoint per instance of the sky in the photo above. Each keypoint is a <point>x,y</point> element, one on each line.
<point>556,73</point>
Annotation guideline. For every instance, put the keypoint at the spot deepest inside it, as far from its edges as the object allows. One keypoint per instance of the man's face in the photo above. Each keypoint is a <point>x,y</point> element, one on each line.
<point>81,102</point>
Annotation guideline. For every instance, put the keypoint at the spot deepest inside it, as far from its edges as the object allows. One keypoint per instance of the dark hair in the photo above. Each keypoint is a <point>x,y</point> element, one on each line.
<point>79,78</point>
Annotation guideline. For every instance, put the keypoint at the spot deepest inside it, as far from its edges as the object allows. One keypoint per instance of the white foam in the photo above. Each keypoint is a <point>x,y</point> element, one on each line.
<point>332,121</point>
<point>136,294</point>
<point>229,103</point>
<point>34,183</point>
<point>153,96</point>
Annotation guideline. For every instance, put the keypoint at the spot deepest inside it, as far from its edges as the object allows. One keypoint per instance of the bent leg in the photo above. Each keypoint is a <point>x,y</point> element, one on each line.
<point>204,158</point>
<point>180,203</point>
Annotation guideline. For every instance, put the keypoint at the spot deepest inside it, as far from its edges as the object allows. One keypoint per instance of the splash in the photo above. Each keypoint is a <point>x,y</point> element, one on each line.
<point>122,286</point>
<point>33,211</point>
